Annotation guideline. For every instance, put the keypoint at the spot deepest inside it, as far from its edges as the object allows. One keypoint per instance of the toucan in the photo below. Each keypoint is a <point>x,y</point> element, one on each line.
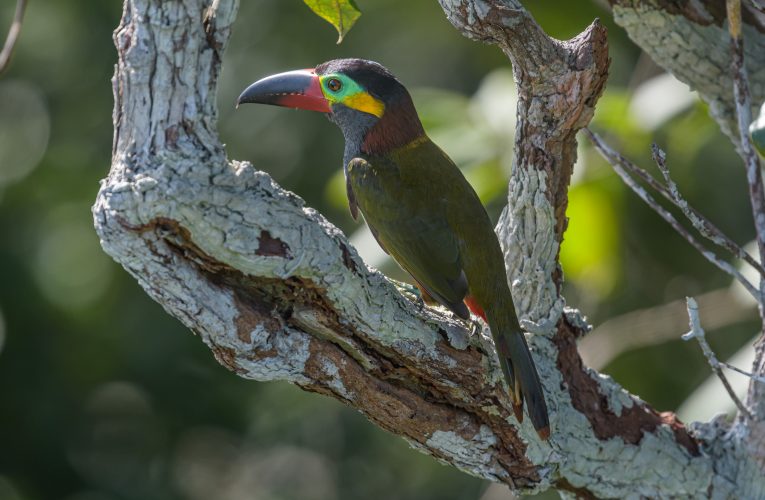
<point>417,204</point>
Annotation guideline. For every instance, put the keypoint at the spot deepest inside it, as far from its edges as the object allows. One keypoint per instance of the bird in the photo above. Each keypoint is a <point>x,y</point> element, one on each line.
<point>417,204</point>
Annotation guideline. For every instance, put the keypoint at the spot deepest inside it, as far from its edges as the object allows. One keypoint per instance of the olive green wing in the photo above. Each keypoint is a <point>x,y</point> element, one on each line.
<point>412,228</point>
<point>425,248</point>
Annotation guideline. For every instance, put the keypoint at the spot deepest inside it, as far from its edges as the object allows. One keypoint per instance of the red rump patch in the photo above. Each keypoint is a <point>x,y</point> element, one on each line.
<point>475,308</point>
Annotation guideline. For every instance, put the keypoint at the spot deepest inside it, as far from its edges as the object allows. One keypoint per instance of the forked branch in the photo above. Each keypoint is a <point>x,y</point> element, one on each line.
<point>626,169</point>
<point>697,332</point>
<point>278,293</point>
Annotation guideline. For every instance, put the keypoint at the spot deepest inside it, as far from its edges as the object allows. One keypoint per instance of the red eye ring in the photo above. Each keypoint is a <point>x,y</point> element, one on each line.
<point>334,84</point>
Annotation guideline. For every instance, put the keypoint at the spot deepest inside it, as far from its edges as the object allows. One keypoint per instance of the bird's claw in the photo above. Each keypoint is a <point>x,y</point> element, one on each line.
<point>420,303</point>
<point>476,327</point>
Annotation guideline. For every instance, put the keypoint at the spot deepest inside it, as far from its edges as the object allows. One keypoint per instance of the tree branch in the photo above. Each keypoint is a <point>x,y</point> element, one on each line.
<point>623,167</point>
<point>743,104</point>
<point>277,292</point>
<point>690,40</point>
<point>13,35</point>
<point>696,332</point>
<point>699,221</point>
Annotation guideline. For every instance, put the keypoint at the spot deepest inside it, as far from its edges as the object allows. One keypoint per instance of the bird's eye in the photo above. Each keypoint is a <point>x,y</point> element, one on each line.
<point>334,84</point>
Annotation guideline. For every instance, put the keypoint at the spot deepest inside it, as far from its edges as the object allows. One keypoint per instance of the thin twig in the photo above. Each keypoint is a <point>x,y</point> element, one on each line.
<point>701,223</point>
<point>620,165</point>
<point>697,333</point>
<point>746,150</point>
<point>660,323</point>
<point>13,35</point>
<point>758,378</point>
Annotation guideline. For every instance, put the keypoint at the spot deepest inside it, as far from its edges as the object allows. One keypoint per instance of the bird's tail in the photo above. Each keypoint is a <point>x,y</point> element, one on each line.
<point>520,371</point>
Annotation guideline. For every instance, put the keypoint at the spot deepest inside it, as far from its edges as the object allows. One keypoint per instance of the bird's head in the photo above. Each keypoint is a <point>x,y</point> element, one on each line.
<point>363,98</point>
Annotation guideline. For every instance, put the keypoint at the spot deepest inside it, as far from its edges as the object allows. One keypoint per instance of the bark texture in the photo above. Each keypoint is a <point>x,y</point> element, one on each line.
<point>278,293</point>
<point>690,39</point>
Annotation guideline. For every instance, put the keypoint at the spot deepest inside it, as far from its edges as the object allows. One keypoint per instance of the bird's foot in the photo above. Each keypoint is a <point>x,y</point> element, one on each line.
<point>476,327</point>
<point>410,292</point>
<point>420,303</point>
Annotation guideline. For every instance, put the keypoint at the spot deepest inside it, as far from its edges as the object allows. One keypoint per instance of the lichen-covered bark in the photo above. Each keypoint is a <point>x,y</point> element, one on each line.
<point>690,40</point>
<point>278,293</point>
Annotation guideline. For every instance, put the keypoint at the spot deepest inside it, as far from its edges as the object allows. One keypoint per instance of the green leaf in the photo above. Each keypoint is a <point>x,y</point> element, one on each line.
<point>339,13</point>
<point>757,129</point>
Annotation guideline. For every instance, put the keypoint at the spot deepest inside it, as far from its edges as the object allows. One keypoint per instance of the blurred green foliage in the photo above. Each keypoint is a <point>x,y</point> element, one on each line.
<point>104,396</point>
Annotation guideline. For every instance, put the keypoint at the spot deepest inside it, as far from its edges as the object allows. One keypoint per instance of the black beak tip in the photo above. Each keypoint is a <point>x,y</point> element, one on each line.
<point>241,99</point>
<point>250,94</point>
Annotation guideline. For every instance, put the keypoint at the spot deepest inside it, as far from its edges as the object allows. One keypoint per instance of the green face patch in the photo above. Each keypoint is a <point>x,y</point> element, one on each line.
<point>339,88</point>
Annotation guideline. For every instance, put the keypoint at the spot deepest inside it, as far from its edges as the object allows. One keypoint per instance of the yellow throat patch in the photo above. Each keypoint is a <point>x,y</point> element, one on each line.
<point>362,101</point>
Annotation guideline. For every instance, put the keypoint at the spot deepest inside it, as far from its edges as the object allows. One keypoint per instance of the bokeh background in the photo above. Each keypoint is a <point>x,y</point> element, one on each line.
<point>104,396</point>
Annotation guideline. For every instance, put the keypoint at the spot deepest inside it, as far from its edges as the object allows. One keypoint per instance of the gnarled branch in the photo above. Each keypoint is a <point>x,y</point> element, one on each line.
<point>277,292</point>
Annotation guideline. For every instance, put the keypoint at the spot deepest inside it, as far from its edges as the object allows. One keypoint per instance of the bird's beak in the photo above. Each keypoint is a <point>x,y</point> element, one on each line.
<point>294,89</point>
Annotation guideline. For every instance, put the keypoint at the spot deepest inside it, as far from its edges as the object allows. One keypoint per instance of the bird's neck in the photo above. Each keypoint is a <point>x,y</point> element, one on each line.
<point>397,127</point>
